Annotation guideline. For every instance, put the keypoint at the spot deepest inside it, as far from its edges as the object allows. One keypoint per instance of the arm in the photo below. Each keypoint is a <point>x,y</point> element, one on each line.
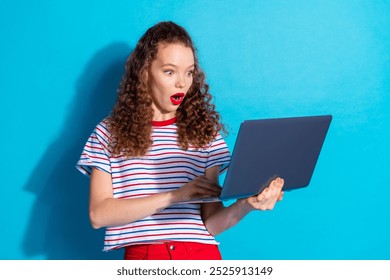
<point>218,218</point>
<point>105,210</point>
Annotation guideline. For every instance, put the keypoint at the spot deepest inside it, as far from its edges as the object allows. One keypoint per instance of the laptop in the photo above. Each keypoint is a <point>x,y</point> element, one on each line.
<point>265,149</point>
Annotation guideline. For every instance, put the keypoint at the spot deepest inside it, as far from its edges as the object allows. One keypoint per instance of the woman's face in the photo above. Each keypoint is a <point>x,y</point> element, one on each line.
<point>170,77</point>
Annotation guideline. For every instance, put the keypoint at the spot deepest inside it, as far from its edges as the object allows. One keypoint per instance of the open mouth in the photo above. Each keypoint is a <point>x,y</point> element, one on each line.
<point>177,98</point>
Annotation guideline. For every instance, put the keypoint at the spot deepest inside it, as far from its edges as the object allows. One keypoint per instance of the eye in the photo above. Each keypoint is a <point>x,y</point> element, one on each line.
<point>168,72</point>
<point>190,73</point>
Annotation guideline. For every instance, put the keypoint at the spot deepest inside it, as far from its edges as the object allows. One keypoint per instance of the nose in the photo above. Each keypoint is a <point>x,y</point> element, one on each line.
<point>180,83</point>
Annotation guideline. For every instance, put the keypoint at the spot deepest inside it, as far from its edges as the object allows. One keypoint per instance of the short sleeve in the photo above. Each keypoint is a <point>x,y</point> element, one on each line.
<point>95,152</point>
<point>218,154</point>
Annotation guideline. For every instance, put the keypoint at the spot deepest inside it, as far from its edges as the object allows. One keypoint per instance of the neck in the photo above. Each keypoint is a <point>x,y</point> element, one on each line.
<point>163,117</point>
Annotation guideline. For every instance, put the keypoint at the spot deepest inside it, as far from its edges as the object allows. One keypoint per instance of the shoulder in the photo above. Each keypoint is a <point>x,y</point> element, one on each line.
<point>102,130</point>
<point>218,139</point>
<point>217,142</point>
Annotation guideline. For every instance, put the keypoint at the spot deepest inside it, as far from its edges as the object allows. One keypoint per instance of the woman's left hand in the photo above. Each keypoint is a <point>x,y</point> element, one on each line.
<point>226,217</point>
<point>267,199</point>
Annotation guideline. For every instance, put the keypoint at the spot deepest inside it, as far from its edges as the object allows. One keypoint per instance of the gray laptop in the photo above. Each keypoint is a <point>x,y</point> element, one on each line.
<point>265,149</point>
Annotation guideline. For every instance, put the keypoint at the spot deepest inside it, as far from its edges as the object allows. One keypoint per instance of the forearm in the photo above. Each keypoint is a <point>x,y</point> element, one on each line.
<point>116,212</point>
<point>227,217</point>
<point>104,210</point>
<point>224,218</point>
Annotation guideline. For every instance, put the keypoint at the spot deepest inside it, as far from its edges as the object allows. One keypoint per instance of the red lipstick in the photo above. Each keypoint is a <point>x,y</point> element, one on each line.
<point>177,98</point>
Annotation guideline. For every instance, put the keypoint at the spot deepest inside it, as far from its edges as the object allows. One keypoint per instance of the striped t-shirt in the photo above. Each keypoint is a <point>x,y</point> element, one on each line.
<point>165,167</point>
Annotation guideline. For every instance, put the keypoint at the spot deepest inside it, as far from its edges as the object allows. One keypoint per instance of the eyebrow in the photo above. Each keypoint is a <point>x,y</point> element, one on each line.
<point>173,65</point>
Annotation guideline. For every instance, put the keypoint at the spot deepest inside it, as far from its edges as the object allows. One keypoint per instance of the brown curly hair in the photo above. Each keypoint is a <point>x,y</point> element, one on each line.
<point>130,122</point>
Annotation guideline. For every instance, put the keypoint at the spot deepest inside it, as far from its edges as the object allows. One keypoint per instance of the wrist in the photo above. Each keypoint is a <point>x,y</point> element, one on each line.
<point>163,200</point>
<point>173,196</point>
<point>243,205</point>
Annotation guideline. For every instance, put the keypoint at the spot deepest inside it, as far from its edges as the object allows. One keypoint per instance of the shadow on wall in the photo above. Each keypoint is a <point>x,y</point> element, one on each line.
<point>59,225</point>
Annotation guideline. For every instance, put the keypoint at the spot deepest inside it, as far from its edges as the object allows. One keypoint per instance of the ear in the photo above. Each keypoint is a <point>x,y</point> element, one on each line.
<point>145,75</point>
<point>145,79</point>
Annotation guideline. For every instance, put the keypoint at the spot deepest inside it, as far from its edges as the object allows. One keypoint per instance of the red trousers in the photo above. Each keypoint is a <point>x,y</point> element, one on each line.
<point>173,250</point>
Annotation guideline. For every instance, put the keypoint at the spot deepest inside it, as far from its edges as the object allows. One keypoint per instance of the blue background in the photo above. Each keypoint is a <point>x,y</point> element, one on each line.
<point>61,62</point>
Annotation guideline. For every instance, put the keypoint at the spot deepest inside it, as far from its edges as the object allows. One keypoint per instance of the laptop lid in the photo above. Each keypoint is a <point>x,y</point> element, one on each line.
<point>265,149</point>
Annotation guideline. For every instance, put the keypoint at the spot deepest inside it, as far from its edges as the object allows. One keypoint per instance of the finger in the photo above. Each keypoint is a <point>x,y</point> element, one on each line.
<point>280,182</point>
<point>253,201</point>
<point>267,199</point>
<point>209,189</point>
<point>260,197</point>
<point>276,187</point>
<point>280,196</point>
<point>271,197</point>
<point>277,183</point>
<point>206,180</point>
<point>206,191</point>
<point>209,185</point>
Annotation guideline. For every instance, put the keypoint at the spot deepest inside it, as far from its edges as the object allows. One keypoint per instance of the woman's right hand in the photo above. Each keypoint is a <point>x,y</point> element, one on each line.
<point>105,210</point>
<point>200,187</point>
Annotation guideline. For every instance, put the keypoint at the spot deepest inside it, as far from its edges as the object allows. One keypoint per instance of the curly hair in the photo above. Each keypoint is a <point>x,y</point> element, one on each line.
<point>130,122</point>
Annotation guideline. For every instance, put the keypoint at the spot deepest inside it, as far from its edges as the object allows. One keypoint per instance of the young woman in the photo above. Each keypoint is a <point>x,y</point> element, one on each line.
<point>159,146</point>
